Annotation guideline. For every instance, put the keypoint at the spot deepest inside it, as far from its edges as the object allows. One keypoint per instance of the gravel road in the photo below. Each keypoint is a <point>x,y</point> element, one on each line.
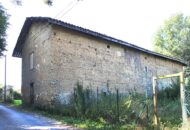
<point>11,119</point>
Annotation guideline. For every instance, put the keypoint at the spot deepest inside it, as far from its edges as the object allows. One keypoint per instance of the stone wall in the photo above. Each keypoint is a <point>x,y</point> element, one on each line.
<point>64,57</point>
<point>37,42</point>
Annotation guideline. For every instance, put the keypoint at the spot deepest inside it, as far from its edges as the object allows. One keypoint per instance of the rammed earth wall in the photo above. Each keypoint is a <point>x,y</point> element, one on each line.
<point>63,57</point>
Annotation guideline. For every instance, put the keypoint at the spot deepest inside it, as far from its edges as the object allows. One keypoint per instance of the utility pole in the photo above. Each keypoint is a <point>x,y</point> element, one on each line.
<point>5,84</point>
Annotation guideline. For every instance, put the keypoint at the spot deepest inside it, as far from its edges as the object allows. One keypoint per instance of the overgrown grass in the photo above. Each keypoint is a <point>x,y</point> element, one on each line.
<point>169,106</point>
<point>77,122</point>
<point>118,112</point>
<point>115,111</point>
<point>101,124</point>
<point>111,109</point>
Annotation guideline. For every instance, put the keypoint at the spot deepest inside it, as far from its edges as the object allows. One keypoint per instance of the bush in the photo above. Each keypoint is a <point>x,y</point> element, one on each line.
<point>10,96</point>
<point>170,92</point>
<point>13,95</point>
<point>1,93</point>
<point>112,107</point>
<point>169,104</point>
<point>119,108</point>
<point>16,95</point>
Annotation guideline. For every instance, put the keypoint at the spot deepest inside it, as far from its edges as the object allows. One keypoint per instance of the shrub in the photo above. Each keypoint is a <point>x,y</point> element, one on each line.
<point>169,104</point>
<point>1,93</point>
<point>113,107</point>
<point>13,95</point>
<point>10,96</point>
<point>119,108</point>
<point>16,95</point>
<point>110,108</point>
<point>170,92</point>
<point>83,101</point>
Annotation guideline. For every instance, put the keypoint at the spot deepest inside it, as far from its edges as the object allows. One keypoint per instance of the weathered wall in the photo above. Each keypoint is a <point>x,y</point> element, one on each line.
<point>38,42</point>
<point>64,57</point>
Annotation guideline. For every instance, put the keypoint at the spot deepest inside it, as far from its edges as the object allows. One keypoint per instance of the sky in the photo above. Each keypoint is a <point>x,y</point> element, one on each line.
<point>134,21</point>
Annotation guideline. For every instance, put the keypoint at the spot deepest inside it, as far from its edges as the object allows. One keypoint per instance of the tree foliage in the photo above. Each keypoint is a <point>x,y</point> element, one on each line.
<point>20,2</point>
<point>173,38</point>
<point>3,27</point>
<point>49,2</point>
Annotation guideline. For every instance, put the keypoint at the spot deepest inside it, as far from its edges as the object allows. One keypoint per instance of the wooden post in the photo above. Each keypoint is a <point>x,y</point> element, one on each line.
<point>5,84</point>
<point>97,98</point>
<point>182,95</point>
<point>117,100</point>
<point>146,94</point>
<point>155,101</point>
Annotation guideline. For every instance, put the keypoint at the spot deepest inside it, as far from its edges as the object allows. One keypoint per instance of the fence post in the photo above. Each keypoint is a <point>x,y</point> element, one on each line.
<point>155,101</point>
<point>117,96</point>
<point>146,93</point>
<point>97,96</point>
<point>182,95</point>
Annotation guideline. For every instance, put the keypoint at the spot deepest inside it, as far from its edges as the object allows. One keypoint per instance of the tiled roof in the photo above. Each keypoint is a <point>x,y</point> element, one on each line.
<point>21,39</point>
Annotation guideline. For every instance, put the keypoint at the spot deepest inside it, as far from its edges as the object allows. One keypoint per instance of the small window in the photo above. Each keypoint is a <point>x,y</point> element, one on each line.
<point>31,60</point>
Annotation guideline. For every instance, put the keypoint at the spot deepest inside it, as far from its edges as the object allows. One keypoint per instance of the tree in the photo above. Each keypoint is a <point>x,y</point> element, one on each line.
<point>3,27</point>
<point>19,2</point>
<point>173,38</point>
<point>49,2</point>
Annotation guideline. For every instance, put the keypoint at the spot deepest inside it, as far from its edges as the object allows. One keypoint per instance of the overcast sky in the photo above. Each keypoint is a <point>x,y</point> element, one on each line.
<point>134,21</point>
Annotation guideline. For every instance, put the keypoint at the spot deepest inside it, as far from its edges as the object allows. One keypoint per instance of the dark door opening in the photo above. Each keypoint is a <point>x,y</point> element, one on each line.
<point>31,93</point>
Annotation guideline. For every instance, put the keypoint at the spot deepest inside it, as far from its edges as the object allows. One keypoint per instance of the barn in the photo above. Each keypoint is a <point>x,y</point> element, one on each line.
<point>58,55</point>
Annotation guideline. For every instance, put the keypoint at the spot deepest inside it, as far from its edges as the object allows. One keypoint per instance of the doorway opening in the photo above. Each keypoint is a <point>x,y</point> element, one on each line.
<point>32,93</point>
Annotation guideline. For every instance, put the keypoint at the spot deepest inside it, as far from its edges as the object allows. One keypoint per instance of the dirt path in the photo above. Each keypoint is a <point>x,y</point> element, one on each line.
<point>11,119</point>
